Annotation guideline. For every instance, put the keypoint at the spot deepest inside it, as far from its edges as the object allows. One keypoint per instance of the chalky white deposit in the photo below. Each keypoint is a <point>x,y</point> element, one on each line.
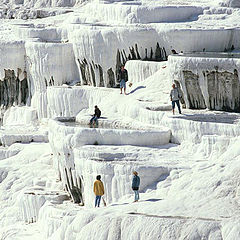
<point>188,164</point>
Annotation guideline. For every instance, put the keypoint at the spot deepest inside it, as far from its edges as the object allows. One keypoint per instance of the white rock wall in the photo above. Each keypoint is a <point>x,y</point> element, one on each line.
<point>141,14</point>
<point>67,141</point>
<point>34,198</point>
<point>69,101</point>
<point>20,116</point>
<point>141,70</point>
<point>98,45</point>
<point>13,56</point>
<point>45,3</point>
<point>217,92</point>
<point>45,60</point>
<point>116,176</point>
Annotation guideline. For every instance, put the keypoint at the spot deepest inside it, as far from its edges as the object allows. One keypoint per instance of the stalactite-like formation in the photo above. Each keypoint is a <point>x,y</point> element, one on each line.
<point>194,93</point>
<point>92,74</point>
<point>110,75</point>
<point>74,187</point>
<point>13,90</point>
<point>223,90</point>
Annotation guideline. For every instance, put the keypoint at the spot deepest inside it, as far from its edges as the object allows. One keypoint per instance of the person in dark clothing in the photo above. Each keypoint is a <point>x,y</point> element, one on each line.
<point>123,78</point>
<point>135,185</point>
<point>96,116</point>
<point>175,96</point>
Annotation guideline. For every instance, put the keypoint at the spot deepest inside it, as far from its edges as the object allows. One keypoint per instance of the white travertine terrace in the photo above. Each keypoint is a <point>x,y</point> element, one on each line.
<point>58,59</point>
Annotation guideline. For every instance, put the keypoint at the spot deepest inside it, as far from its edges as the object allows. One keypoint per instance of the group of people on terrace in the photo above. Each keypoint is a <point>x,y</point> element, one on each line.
<point>175,96</point>
<point>98,189</point>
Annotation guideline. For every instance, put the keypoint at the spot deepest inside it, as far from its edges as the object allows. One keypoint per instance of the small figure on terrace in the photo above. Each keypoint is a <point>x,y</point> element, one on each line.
<point>123,78</point>
<point>175,95</point>
<point>98,189</point>
<point>135,185</point>
<point>96,116</point>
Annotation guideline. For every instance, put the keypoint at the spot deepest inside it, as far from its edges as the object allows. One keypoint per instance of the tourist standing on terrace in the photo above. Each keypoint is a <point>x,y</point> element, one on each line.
<point>135,185</point>
<point>175,95</point>
<point>98,189</point>
<point>123,78</point>
<point>96,116</point>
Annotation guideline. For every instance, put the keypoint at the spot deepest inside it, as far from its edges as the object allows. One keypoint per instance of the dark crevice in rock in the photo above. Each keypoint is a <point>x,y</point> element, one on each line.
<point>82,65</point>
<point>151,54</point>
<point>111,78</point>
<point>194,93</point>
<point>101,76</point>
<point>71,177</point>
<point>93,82</point>
<point>158,53</point>
<point>92,74</point>
<point>76,192</point>
<point>146,54</point>
<point>51,81</point>
<point>223,90</point>
<point>181,93</point>
<point>137,53</point>
<point>24,91</point>
<point>14,91</point>
<point>164,54</point>
<point>133,54</point>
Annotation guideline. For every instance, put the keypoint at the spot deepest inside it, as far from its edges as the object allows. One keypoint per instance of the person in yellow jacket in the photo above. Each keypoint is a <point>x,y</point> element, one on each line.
<point>98,189</point>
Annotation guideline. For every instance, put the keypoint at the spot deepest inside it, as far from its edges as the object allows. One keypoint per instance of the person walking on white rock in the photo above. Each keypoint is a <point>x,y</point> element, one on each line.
<point>135,185</point>
<point>175,95</point>
<point>96,116</point>
<point>123,78</point>
<point>98,189</point>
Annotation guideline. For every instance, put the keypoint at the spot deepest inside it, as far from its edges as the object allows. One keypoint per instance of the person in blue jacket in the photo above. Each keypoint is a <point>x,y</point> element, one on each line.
<point>135,185</point>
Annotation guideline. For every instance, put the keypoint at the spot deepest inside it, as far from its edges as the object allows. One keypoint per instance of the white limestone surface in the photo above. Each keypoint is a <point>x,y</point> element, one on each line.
<point>23,133</point>
<point>162,206</point>
<point>206,63</point>
<point>34,198</point>
<point>6,152</point>
<point>45,60</point>
<point>116,165</point>
<point>198,198</point>
<point>7,139</point>
<point>69,101</point>
<point>141,70</point>
<point>20,116</point>
<point>30,167</point>
<point>127,13</point>
<point>80,36</point>
<point>13,52</point>
<point>231,3</point>
<point>78,136</point>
